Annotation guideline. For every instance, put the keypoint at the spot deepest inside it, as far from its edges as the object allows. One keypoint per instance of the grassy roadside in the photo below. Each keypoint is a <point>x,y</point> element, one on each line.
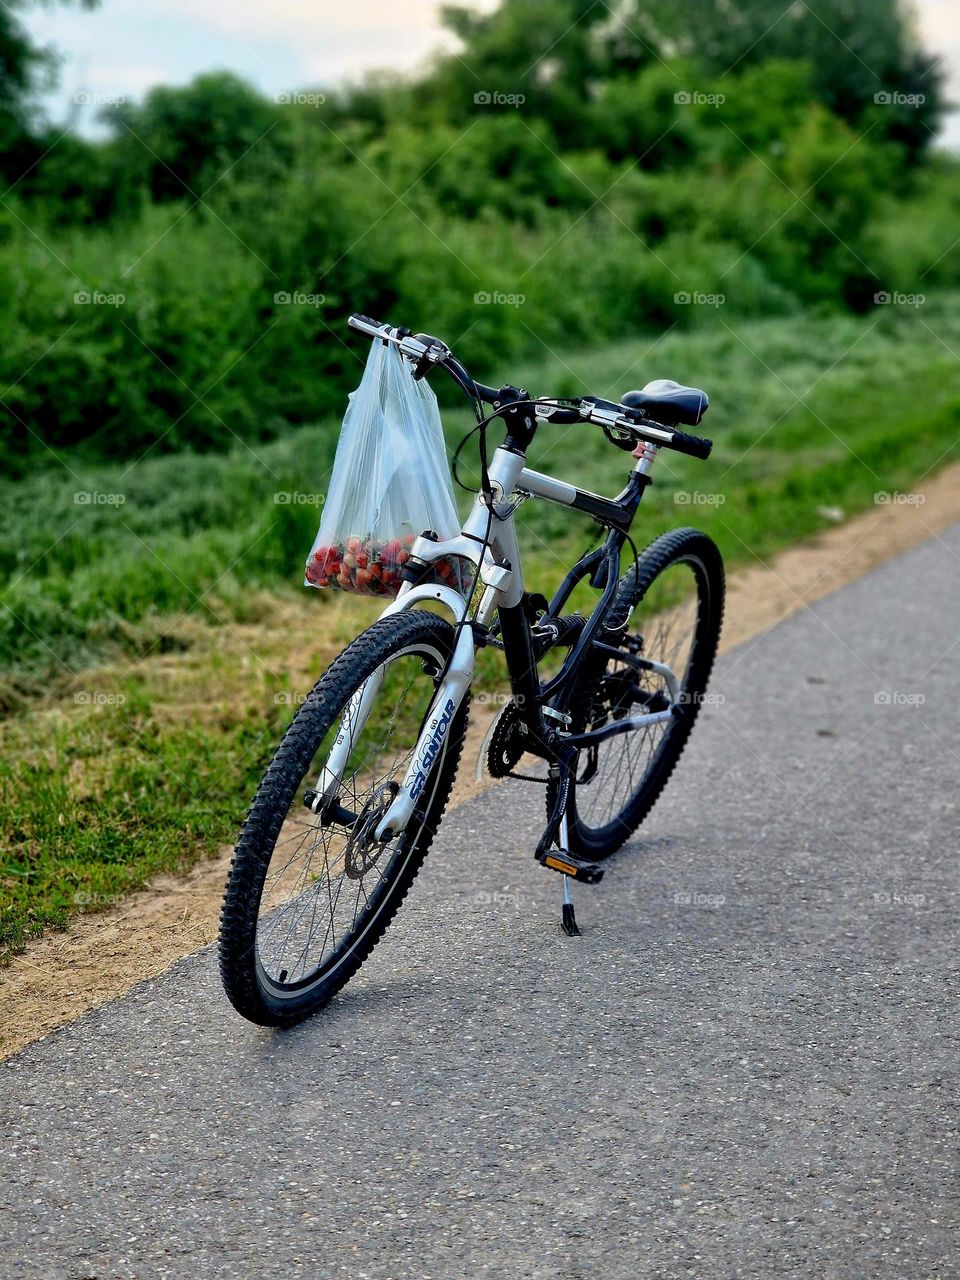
<point>152,648</point>
<point>806,412</point>
<point>146,766</point>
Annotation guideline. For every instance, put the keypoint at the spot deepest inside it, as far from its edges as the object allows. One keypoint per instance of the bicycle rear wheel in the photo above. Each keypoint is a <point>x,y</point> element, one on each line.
<point>669,608</point>
<point>308,896</point>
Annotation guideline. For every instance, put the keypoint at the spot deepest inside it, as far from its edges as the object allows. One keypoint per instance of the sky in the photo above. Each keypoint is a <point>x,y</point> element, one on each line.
<point>126,46</point>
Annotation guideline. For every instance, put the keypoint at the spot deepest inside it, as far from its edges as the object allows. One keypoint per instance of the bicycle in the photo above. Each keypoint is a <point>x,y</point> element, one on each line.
<point>349,805</point>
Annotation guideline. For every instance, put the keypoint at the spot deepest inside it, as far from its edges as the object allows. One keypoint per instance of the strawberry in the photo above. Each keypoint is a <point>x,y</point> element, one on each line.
<point>366,566</point>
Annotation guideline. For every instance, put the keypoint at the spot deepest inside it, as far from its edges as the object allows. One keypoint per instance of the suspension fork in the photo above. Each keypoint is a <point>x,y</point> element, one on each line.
<point>357,711</point>
<point>443,707</point>
<point>352,721</point>
<point>432,740</point>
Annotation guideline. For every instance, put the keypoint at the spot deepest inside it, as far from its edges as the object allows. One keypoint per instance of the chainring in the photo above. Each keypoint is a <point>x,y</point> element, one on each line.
<point>506,742</point>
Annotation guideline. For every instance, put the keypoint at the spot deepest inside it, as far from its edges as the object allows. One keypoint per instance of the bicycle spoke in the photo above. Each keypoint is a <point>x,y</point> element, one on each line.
<point>307,914</point>
<point>668,627</point>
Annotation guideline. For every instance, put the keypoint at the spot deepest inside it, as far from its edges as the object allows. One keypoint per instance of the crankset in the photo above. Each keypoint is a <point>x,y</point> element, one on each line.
<point>506,744</point>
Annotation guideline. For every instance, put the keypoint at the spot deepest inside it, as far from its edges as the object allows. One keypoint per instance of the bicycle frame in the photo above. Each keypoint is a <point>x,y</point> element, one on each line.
<point>488,540</point>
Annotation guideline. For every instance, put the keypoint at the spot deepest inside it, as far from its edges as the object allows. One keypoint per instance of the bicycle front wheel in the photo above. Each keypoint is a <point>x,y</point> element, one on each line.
<point>668,608</point>
<point>308,896</point>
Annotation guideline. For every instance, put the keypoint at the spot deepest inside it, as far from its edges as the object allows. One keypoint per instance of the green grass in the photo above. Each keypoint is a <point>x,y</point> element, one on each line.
<point>200,535</point>
<point>95,797</point>
<point>884,408</point>
<point>108,799</point>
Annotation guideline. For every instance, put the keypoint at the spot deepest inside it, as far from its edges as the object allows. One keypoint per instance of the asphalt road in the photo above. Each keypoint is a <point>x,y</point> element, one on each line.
<point>746,1067</point>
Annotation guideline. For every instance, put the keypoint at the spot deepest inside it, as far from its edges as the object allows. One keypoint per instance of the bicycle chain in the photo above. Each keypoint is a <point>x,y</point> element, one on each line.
<point>527,777</point>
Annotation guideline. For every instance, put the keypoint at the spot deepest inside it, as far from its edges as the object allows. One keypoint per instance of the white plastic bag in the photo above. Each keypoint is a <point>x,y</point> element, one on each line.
<point>390,483</point>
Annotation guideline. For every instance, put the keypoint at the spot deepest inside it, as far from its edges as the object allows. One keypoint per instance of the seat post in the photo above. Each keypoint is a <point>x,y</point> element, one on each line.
<point>645,454</point>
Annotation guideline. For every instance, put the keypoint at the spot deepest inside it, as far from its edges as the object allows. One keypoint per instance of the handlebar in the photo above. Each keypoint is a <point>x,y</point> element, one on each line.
<point>418,347</point>
<point>631,422</point>
<point>426,352</point>
<point>693,446</point>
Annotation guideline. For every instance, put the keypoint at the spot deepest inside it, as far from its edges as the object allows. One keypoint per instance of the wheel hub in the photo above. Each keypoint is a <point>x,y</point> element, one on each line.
<point>363,850</point>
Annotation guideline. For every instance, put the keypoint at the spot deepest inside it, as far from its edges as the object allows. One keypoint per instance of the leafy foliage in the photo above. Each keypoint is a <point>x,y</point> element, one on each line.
<point>583,190</point>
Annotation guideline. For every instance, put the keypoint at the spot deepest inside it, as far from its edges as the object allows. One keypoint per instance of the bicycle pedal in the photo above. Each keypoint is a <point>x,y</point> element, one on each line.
<point>568,865</point>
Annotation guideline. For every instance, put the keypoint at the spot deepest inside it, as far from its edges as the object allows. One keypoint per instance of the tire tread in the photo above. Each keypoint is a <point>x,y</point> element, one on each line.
<point>271,803</point>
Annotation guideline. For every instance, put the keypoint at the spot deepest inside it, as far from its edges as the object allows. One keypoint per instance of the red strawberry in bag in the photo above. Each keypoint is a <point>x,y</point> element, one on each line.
<point>369,568</point>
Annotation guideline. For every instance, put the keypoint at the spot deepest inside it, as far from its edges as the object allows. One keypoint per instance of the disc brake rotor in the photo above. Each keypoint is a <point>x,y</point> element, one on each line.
<point>363,849</point>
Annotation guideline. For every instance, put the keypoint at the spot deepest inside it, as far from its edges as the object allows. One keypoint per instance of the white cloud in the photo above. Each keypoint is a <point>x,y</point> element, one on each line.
<point>379,27</point>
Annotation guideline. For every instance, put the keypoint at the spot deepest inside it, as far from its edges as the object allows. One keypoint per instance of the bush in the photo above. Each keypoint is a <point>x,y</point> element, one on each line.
<point>232,316</point>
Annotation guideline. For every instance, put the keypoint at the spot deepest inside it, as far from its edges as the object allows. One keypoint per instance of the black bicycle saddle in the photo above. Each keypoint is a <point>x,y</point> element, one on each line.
<point>667,402</point>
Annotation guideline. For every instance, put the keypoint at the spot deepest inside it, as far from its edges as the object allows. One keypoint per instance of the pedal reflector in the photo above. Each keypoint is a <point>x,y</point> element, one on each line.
<point>568,865</point>
<point>558,864</point>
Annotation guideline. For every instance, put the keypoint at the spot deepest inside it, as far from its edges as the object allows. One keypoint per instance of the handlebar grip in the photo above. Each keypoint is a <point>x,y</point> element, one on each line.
<point>365,324</point>
<point>695,446</point>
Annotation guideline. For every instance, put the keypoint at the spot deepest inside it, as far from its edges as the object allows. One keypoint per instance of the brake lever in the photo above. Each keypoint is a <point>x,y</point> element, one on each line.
<point>432,352</point>
<point>622,439</point>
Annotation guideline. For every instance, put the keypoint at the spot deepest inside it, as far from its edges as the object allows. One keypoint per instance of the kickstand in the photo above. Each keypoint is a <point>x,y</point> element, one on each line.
<point>568,918</point>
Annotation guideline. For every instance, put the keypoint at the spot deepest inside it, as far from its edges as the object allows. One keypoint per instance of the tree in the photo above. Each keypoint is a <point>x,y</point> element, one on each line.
<point>184,139</point>
<point>856,51</point>
<point>559,54</point>
<point>24,69</point>
<point>552,54</point>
